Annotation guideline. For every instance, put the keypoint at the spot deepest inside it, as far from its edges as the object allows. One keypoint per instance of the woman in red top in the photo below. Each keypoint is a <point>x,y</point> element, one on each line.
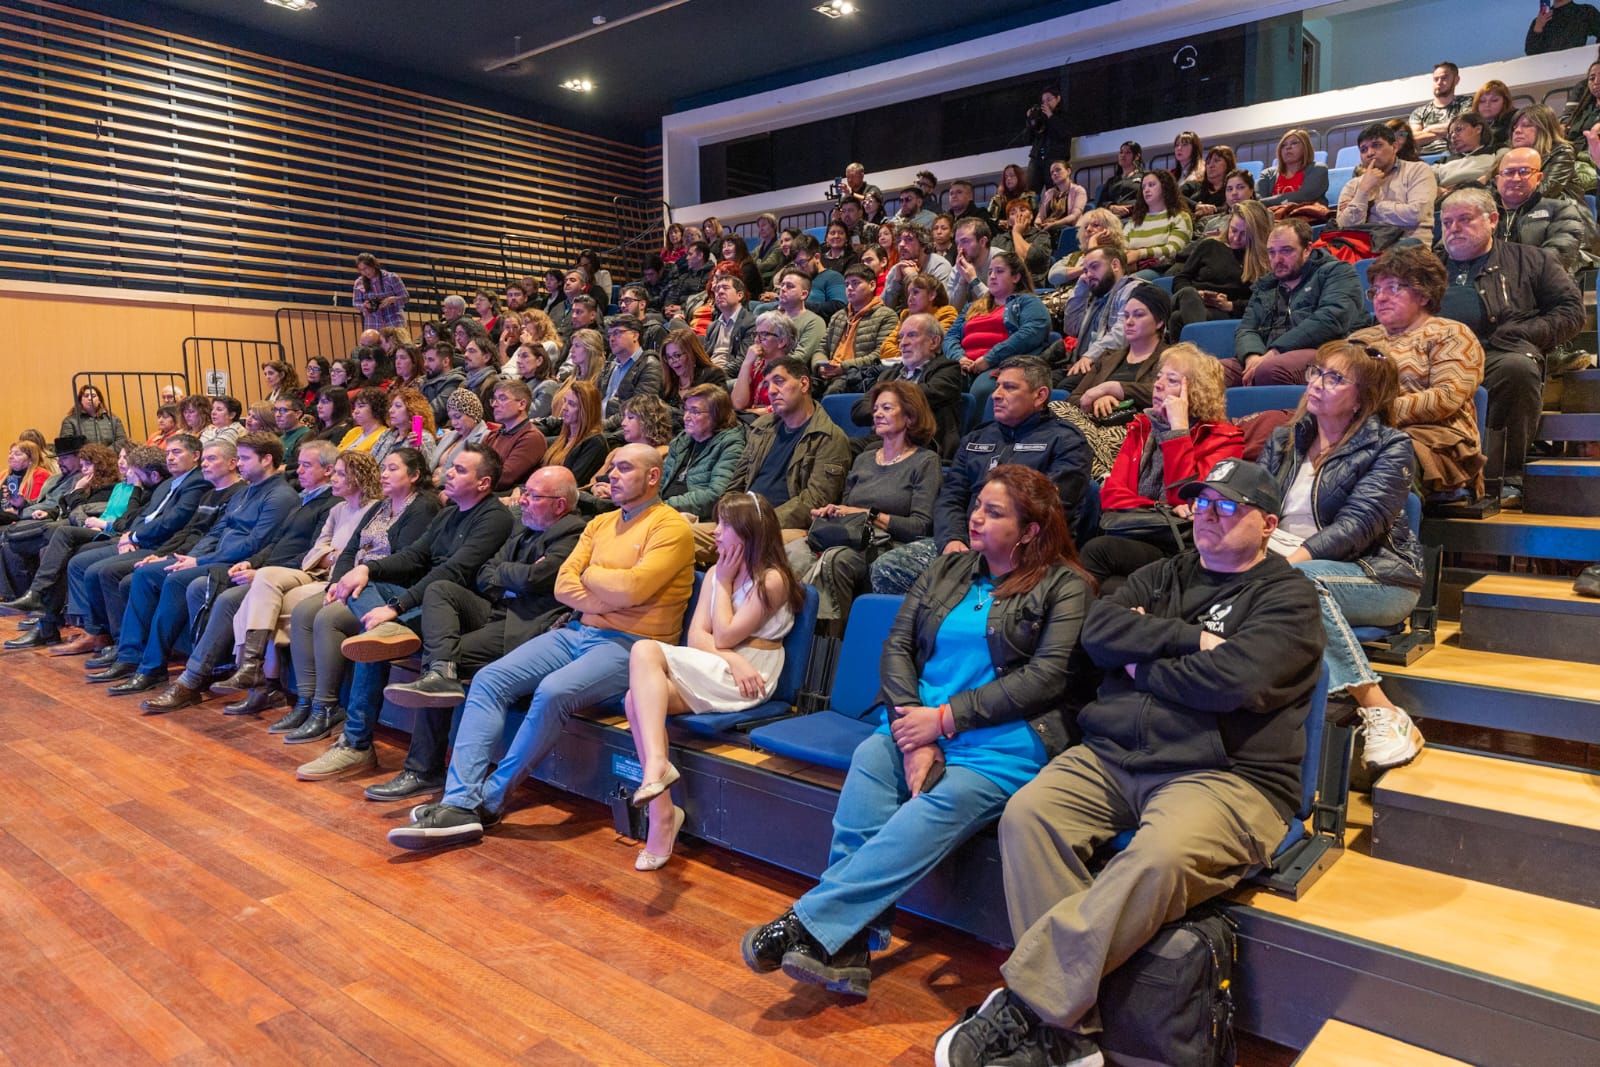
<point>673,250</point>
<point>1298,178</point>
<point>26,477</point>
<point>1179,438</point>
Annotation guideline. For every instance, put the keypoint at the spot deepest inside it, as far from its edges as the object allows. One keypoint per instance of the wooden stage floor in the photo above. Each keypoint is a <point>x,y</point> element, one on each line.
<point>169,893</point>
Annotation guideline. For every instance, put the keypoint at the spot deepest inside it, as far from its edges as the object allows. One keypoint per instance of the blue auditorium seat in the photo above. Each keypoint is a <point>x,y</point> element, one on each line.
<point>1314,780</point>
<point>1252,166</point>
<point>1363,266</point>
<point>1067,243</point>
<point>796,654</point>
<point>1338,178</point>
<point>838,406</point>
<point>1349,156</point>
<point>1215,337</point>
<point>829,737</point>
<point>1249,399</point>
<point>1166,282</point>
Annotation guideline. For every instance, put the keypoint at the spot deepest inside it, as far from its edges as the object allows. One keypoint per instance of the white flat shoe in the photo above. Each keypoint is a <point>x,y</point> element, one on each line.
<point>647,860</point>
<point>650,790</point>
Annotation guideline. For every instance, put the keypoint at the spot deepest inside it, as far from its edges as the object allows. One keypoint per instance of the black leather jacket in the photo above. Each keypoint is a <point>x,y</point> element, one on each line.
<point>1043,674</point>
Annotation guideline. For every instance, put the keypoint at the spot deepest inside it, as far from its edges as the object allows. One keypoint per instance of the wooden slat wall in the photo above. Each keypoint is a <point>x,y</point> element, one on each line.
<point>136,158</point>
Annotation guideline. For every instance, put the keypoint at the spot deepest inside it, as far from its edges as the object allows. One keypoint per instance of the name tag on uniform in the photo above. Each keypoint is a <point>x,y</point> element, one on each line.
<point>1036,446</point>
<point>1542,213</point>
<point>979,446</point>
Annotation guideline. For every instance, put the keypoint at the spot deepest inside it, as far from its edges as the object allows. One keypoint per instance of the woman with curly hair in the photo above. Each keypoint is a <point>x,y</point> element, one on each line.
<point>281,379</point>
<point>1159,223</point>
<point>405,407</point>
<point>646,420</point>
<point>367,410</point>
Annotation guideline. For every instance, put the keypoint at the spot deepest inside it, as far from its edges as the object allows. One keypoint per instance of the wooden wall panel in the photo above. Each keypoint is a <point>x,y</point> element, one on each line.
<point>136,158</point>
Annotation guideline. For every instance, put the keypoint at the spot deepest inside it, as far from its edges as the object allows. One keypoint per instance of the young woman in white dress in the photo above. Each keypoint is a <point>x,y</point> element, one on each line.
<point>730,659</point>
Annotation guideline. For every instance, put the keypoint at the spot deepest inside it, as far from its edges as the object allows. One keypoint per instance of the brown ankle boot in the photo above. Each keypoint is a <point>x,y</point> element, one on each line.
<point>247,674</point>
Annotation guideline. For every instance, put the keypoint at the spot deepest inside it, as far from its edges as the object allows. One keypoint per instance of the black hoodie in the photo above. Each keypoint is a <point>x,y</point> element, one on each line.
<point>1238,707</point>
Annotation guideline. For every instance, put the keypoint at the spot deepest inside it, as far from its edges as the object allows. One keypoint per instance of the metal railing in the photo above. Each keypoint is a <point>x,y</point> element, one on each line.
<point>641,229</point>
<point>522,256</point>
<point>805,220</point>
<point>134,396</point>
<point>304,334</point>
<point>231,366</point>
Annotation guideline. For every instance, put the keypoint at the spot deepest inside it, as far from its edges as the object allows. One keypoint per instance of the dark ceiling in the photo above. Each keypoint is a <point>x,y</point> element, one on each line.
<point>692,53</point>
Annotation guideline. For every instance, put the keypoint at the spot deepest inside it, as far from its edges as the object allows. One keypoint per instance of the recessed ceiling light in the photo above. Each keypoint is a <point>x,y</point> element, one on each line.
<point>578,85</point>
<point>835,9</point>
<point>294,5</point>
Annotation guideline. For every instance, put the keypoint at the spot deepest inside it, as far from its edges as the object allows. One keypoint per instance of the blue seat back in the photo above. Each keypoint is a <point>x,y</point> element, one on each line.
<point>1320,156</point>
<point>1249,399</point>
<point>820,233</point>
<point>1214,337</point>
<point>1165,282</point>
<point>1252,166</point>
<point>1338,178</point>
<point>1067,243</point>
<point>838,406</point>
<point>797,650</point>
<point>1349,157</point>
<point>968,404</point>
<point>855,683</point>
<point>1363,266</point>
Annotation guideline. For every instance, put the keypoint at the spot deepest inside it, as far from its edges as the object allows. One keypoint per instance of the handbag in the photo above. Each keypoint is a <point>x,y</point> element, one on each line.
<point>1172,1001</point>
<point>1148,524</point>
<point>841,531</point>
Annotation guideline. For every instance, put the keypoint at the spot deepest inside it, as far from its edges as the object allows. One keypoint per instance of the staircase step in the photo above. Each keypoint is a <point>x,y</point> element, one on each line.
<point>1474,971</point>
<point>1546,697</point>
<point>1569,426</point>
<point>1561,487</point>
<point>1513,533</point>
<point>1339,1044</point>
<point>1580,391</point>
<point>1521,615</point>
<point>1521,825</point>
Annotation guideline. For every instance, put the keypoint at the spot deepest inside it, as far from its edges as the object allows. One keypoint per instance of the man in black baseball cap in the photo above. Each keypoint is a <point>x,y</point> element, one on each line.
<point>1193,742</point>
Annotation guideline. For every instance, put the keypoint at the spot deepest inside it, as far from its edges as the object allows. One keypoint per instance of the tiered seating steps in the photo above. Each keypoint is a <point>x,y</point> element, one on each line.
<point>1339,1044</point>
<point>1482,973</point>
<point>1512,823</point>
<point>1561,487</point>
<point>1523,615</point>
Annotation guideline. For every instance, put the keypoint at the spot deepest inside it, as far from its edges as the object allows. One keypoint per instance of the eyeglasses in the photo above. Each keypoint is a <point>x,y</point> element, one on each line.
<point>1517,172</point>
<point>767,335</point>
<point>1316,374</point>
<point>541,496</point>
<point>1386,289</point>
<point>1225,508</point>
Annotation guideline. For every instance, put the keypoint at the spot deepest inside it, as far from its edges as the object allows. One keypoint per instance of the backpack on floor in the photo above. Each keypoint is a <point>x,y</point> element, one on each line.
<point>1171,1003</point>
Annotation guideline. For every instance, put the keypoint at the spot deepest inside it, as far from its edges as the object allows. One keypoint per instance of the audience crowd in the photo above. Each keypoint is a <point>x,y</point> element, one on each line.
<point>520,498</point>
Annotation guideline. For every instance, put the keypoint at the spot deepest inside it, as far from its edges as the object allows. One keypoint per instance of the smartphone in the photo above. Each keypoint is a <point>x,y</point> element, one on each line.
<point>1544,7</point>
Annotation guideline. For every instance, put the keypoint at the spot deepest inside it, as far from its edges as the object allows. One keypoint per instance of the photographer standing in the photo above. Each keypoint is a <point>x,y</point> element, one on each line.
<point>1047,121</point>
<point>379,295</point>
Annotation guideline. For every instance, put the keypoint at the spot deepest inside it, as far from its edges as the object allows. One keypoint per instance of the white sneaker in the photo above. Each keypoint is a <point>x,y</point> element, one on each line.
<point>1389,737</point>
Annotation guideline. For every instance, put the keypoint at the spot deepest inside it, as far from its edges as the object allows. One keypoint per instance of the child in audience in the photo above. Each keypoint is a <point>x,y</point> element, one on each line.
<point>730,659</point>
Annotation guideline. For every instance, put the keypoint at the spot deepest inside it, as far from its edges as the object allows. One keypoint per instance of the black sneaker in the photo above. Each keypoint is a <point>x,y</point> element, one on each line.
<point>404,786</point>
<point>845,971</point>
<point>432,689</point>
<point>437,825</point>
<point>1005,1030</point>
<point>764,947</point>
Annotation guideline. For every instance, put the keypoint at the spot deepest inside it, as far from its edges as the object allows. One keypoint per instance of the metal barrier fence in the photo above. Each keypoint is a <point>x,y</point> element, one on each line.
<point>522,256</point>
<point>641,229</point>
<point>133,396</point>
<point>805,220</point>
<point>330,334</point>
<point>230,366</point>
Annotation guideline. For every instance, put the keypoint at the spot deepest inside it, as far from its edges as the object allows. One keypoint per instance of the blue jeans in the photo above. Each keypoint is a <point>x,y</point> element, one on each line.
<point>368,679</point>
<point>1349,596</point>
<point>564,670</point>
<point>884,839</point>
<point>156,615</point>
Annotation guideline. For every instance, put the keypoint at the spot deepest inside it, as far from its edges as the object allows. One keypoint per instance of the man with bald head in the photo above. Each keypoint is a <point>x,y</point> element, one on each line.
<point>1531,218</point>
<point>465,627</point>
<point>369,339</point>
<point>629,577</point>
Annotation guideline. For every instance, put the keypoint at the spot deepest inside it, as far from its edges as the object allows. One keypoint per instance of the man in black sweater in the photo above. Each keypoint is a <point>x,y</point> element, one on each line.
<point>386,595</point>
<point>1194,742</point>
<point>227,583</point>
<point>468,627</point>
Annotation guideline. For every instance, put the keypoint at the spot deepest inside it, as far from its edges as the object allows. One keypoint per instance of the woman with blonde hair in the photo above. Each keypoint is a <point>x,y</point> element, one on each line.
<point>25,476</point>
<point>580,446</point>
<point>1216,280</point>
<point>586,358</point>
<point>1095,227</point>
<point>1178,438</point>
<point>262,621</point>
<point>1297,177</point>
<point>1537,127</point>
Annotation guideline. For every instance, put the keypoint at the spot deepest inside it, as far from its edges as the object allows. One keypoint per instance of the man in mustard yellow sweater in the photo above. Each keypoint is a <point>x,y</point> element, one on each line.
<point>629,578</point>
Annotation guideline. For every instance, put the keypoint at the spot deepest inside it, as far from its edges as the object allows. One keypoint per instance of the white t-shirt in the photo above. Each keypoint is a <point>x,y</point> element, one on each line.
<point>1297,521</point>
